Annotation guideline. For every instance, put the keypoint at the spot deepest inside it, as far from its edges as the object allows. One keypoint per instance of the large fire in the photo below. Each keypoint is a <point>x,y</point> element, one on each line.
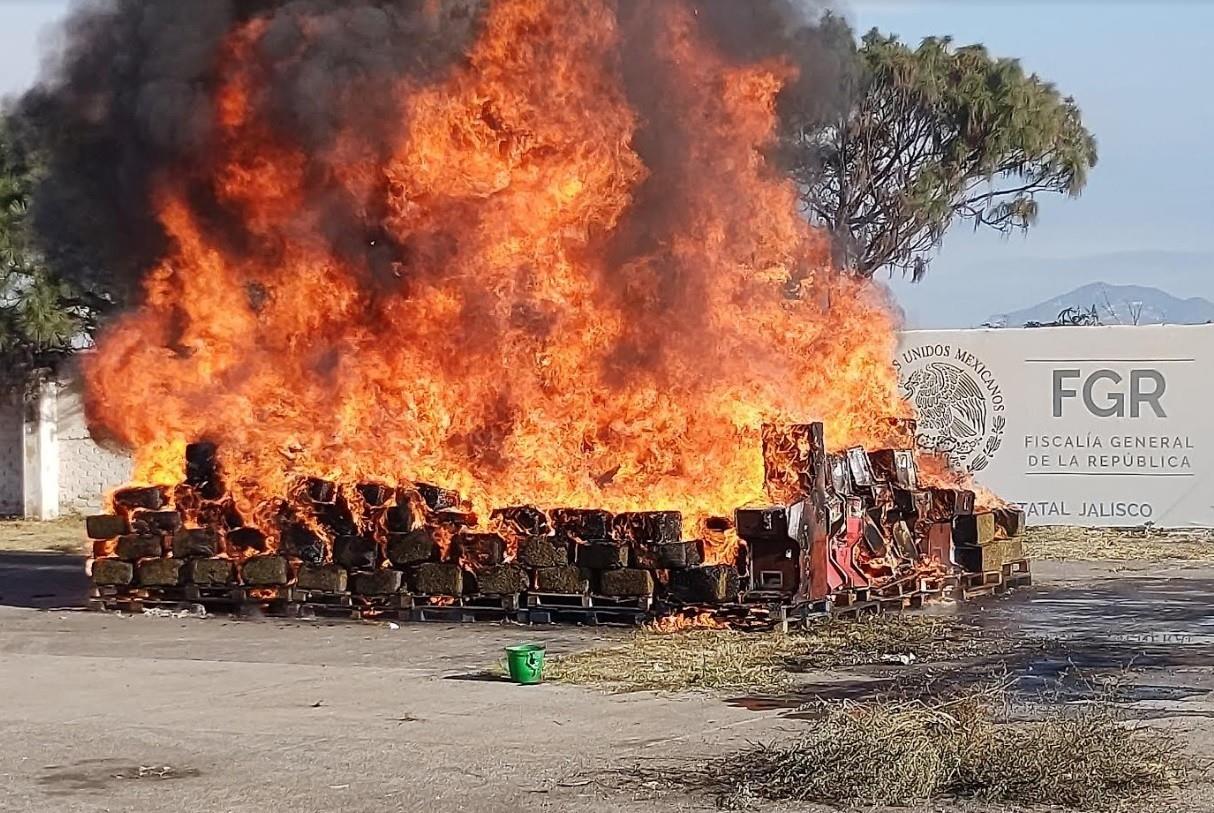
<point>550,297</point>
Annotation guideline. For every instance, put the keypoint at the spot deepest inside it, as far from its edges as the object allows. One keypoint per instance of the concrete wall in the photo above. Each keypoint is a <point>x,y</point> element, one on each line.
<point>10,456</point>
<point>49,463</point>
<point>86,470</point>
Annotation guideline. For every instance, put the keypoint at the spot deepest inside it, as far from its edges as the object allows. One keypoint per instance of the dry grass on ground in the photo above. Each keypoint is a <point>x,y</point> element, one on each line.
<point>889,753</point>
<point>724,660</point>
<point>1063,543</point>
<point>64,535</point>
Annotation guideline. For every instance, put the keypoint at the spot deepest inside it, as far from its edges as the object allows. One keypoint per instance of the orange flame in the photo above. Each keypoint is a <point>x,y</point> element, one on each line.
<point>682,623</point>
<point>535,312</point>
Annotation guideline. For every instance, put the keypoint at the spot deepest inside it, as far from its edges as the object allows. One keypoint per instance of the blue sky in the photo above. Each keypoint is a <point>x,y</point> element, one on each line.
<point>1140,71</point>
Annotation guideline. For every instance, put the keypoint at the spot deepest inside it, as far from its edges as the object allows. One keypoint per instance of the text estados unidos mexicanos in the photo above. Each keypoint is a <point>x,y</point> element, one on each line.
<point>946,351</point>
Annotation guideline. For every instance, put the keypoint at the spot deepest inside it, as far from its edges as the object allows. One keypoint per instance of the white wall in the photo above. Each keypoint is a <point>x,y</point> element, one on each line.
<point>1081,425</point>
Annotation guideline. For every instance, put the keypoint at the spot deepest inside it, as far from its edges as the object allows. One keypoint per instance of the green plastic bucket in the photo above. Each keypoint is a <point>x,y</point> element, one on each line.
<point>526,663</point>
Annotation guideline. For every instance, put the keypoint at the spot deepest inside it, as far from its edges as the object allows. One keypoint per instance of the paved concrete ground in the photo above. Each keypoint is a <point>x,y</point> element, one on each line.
<point>109,713</point>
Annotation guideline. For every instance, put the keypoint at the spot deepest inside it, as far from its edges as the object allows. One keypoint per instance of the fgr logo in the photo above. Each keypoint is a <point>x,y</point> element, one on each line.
<point>1109,394</point>
<point>958,403</point>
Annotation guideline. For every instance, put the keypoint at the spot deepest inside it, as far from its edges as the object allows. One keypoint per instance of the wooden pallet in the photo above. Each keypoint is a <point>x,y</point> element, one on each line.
<point>587,616</point>
<point>1017,574</point>
<point>902,586</point>
<point>764,597</point>
<point>902,603</point>
<point>940,584</point>
<point>976,585</point>
<point>185,598</point>
<point>850,596</point>
<point>321,604</point>
<point>208,593</point>
<point>856,609</point>
<point>577,608</point>
<point>321,598</point>
<point>465,609</point>
<point>588,601</point>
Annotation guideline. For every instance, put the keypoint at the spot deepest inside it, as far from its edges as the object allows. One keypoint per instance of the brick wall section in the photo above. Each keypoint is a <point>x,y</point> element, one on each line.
<point>10,456</point>
<point>86,471</point>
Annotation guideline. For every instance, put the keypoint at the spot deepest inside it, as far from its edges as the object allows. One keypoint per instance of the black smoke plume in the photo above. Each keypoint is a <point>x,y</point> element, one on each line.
<point>129,98</point>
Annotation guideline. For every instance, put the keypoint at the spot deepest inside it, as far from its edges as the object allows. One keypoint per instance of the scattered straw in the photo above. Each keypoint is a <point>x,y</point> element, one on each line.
<point>696,659</point>
<point>886,753</point>
<point>724,660</point>
<point>1060,544</point>
<point>62,536</point>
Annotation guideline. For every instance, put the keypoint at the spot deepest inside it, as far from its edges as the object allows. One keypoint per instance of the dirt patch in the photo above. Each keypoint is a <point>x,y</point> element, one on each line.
<point>1071,544</point>
<point>62,536</point>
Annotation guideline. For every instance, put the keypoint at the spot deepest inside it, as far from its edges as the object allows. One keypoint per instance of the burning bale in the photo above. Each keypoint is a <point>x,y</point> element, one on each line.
<point>523,520</point>
<point>643,532</point>
<point>626,583</point>
<point>133,547</point>
<point>974,529</point>
<point>195,543</point>
<point>948,503</point>
<point>128,500</point>
<point>478,550</point>
<point>501,580</point>
<point>374,495</point>
<point>541,552</point>
<point>247,539</point>
<point>600,555</point>
<point>322,578</point>
<point>160,572</point>
<point>405,550</point>
<point>564,580</point>
<point>105,526</point>
<point>1010,521</point>
<point>302,543</point>
<point>210,572</point>
<point>320,492</point>
<point>436,579</point>
<point>377,583</point>
<point>404,518</point>
<point>112,572</point>
<point>717,584</point>
<point>582,524</point>
<point>437,498</point>
<point>202,470</point>
<point>355,552</point>
<point>648,527</point>
<point>679,555</point>
<point>267,570</point>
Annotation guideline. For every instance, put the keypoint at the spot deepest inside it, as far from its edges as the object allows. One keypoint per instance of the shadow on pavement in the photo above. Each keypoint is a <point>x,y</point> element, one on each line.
<point>42,580</point>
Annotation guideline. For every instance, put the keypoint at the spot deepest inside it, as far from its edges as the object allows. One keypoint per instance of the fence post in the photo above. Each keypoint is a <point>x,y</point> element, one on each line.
<point>41,450</point>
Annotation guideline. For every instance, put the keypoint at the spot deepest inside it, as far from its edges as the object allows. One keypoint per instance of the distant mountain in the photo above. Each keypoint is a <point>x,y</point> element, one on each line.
<point>960,291</point>
<point>1117,305</point>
